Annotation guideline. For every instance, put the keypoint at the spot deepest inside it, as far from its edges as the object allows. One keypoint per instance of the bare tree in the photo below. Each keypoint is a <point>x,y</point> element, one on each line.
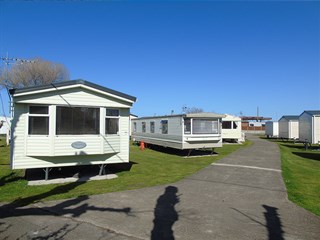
<point>193,110</point>
<point>35,73</point>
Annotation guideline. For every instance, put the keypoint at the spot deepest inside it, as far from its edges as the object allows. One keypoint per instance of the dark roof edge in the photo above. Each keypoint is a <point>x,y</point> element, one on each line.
<point>311,112</point>
<point>73,82</point>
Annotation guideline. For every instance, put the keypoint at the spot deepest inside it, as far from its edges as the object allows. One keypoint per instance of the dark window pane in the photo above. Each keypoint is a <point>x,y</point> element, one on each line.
<point>112,125</point>
<point>164,126</point>
<point>152,127</point>
<point>187,126</point>
<point>78,120</point>
<point>226,124</point>
<point>143,127</point>
<point>38,110</point>
<point>235,125</point>
<point>39,125</point>
<point>112,112</point>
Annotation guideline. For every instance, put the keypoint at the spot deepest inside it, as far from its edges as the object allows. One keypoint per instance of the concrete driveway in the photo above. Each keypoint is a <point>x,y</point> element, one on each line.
<point>239,197</point>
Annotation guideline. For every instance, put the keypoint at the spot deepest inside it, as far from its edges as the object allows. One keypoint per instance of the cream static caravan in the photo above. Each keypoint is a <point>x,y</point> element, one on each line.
<point>182,131</point>
<point>309,126</point>
<point>231,129</point>
<point>69,123</point>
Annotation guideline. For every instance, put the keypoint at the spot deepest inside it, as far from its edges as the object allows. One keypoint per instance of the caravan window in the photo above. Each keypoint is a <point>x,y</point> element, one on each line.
<point>164,126</point>
<point>226,124</point>
<point>38,120</point>
<point>143,125</point>
<point>151,127</point>
<point>204,126</point>
<point>229,125</point>
<point>112,121</point>
<point>187,126</point>
<point>77,120</point>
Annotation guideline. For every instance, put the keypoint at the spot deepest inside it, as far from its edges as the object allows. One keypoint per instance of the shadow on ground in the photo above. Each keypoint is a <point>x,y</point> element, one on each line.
<point>313,156</point>
<point>72,207</point>
<point>165,215</point>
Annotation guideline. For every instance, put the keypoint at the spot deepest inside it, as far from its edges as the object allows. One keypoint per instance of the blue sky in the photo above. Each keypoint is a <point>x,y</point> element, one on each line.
<point>225,57</point>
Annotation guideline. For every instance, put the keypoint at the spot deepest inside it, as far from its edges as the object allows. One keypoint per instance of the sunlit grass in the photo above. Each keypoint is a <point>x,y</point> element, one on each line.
<point>150,168</point>
<point>301,174</point>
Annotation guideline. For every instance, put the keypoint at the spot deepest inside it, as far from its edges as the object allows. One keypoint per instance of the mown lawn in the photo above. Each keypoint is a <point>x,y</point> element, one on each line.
<point>150,168</point>
<point>301,174</point>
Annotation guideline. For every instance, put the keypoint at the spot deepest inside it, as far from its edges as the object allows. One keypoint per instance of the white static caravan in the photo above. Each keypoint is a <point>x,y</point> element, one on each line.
<point>272,129</point>
<point>289,127</point>
<point>183,131</point>
<point>69,123</point>
<point>5,125</point>
<point>309,126</point>
<point>231,129</point>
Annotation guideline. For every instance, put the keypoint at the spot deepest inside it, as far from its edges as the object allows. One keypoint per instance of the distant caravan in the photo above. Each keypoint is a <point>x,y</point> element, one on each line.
<point>182,131</point>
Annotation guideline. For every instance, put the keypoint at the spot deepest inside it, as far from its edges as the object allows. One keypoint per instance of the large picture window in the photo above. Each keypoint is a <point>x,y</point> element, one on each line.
<point>112,121</point>
<point>77,120</point>
<point>203,126</point>
<point>38,120</point>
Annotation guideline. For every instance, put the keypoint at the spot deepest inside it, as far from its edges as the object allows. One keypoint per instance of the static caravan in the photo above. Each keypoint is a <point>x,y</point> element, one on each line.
<point>309,126</point>
<point>289,127</point>
<point>69,123</point>
<point>231,129</point>
<point>272,129</point>
<point>183,131</point>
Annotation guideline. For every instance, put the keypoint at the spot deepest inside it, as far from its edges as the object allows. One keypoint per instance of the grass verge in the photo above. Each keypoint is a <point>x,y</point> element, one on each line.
<point>150,168</point>
<point>301,174</point>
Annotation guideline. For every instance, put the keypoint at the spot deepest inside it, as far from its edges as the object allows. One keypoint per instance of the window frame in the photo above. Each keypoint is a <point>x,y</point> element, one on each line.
<point>39,115</point>
<point>200,120</point>
<point>143,127</point>
<point>117,116</point>
<point>152,127</point>
<point>164,130</point>
<point>97,124</point>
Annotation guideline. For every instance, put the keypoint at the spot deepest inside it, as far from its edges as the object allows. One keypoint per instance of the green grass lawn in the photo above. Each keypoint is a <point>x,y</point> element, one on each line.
<point>301,174</point>
<point>150,168</point>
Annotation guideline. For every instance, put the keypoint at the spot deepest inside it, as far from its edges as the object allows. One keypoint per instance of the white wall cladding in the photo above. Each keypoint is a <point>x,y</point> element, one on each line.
<point>72,96</point>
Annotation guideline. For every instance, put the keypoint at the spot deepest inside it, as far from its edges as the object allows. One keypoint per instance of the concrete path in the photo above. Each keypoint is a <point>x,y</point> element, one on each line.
<point>239,197</point>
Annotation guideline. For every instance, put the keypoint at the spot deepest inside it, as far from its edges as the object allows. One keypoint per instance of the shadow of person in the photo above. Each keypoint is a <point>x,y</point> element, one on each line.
<point>274,225</point>
<point>165,215</point>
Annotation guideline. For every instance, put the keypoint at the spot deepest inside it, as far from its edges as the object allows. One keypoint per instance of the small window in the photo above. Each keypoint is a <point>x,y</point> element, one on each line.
<point>226,124</point>
<point>134,127</point>
<point>164,126</point>
<point>151,127</point>
<point>38,120</point>
<point>187,126</point>
<point>112,121</point>
<point>143,125</point>
<point>251,125</point>
<point>235,125</point>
